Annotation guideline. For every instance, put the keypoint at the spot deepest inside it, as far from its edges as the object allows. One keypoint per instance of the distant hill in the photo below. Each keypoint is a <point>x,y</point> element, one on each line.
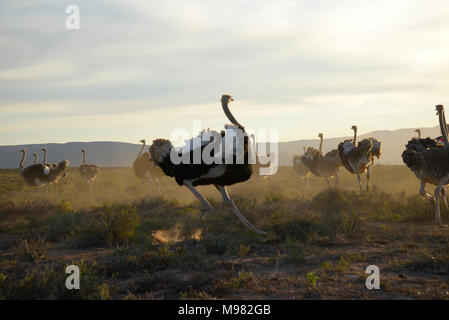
<point>120,154</point>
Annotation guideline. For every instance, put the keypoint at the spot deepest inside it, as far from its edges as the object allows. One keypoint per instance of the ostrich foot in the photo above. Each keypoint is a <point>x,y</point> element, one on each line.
<point>442,225</point>
<point>204,211</point>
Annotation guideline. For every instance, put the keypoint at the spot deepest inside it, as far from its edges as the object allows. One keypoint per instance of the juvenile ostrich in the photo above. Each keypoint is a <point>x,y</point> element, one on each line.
<point>145,168</point>
<point>429,161</point>
<point>39,175</point>
<point>89,172</point>
<point>302,170</point>
<point>221,174</point>
<point>358,158</point>
<point>326,166</point>
<point>35,158</point>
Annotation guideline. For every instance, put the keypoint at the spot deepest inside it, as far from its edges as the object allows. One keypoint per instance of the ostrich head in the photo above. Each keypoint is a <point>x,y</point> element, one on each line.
<point>354,127</point>
<point>160,149</point>
<point>226,98</point>
<point>143,141</point>
<point>83,151</point>
<point>320,135</point>
<point>418,131</point>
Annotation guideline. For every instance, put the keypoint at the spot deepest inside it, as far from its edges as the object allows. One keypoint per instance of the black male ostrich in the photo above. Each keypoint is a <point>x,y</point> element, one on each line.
<point>429,162</point>
<point>419,145</point>
<point>220,175</point>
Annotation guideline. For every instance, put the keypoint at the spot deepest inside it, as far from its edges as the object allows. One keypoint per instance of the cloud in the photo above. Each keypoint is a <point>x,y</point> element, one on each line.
<point>142,61</point>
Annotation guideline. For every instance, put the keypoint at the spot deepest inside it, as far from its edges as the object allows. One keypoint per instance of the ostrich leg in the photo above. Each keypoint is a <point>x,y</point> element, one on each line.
<point>443,194</point>
<point>423,192</point>
<point>367,178</point>
<point>360,183</point>
<point>227,199</point>
<point>206,205</point>
<point>437,203</point>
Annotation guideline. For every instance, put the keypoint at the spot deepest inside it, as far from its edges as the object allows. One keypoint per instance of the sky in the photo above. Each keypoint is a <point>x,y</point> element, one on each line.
<point>141,69</point>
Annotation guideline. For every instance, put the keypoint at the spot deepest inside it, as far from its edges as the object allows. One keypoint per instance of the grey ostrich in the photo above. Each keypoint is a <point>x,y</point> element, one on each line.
<point>429,161</point>
<point>358,158</point>
<point>89,172</point>
<point>302,170</point>
<point>327,166</point>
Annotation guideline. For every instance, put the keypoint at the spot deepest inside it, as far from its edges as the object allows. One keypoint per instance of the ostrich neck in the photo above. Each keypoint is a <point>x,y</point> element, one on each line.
<point>225,105</point>
<point>22,162</point>
<point>45,156</point>
<point>355,137</point>
<point>141,150</point>
<point>84,157</point>
<point>443,127</point>
<point>321,144</point>
<point>35,159</point>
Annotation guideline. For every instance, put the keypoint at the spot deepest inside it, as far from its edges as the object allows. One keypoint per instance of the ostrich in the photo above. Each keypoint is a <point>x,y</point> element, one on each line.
<point>428,158</point>
<point>429,162</point>
<point>358,158</point>
<point>52,165</point>
<point>220,174</point>
<point>326,166</point>
<point>35,158</point>
<point>39,175</point>
<point>301,168</point>
<point>89,172</point>
<point>145,168</point>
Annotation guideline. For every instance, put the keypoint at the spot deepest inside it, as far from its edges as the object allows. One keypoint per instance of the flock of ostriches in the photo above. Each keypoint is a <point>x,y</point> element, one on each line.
<point>428,159</point>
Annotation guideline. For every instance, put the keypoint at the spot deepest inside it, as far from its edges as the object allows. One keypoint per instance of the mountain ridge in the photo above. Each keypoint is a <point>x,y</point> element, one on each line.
<point>122,154</point>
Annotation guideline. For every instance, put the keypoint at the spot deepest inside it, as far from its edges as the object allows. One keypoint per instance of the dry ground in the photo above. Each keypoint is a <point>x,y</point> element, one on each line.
<point>131,242</point>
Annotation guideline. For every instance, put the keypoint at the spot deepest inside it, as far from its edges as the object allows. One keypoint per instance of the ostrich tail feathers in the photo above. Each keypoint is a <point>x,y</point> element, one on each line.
<point>411,158</point>
<point>63,165</point>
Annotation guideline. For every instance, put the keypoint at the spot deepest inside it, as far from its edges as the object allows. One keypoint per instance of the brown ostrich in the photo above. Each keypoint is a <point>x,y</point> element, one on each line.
<point>39,175</point>
<point>145,168</point>
<point>358,158</point>
<point>326,166</point>
<point>429,161</point>
<point>52,165</point>
<point>89,172</point>
<point>302,170</point>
